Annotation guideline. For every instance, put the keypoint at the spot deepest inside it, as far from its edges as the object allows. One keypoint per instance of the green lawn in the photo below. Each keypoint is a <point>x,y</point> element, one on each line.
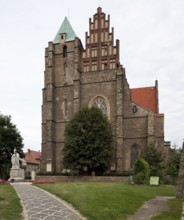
<point>10,207</point>
<point>174,213</point>
<point>96,201</point>
<point>107,201</point>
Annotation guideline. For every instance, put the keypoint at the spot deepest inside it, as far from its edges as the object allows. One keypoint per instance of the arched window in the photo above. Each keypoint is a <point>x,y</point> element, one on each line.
<point>105,66</point>
<point>102,103</point>
<point>135,151</point>
<point>65,51</point>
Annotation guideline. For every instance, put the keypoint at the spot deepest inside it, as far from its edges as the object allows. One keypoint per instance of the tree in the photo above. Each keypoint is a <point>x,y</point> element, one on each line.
<point>155,161</point>
<point>10,138</point>
<point>88,141</point>
<point>173,165</point>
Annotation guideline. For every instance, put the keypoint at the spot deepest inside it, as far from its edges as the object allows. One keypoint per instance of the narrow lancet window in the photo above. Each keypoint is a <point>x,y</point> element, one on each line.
<point>65,72</point>
<point>65,51</point>
<point>134,154</point>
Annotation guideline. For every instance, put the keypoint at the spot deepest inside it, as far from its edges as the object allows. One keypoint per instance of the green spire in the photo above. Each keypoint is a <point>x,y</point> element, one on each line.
<point>66,29</point>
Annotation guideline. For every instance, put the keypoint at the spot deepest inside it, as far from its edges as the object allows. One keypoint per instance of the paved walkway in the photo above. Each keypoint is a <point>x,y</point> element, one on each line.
<point>41,205</point>
<point>151,208</point>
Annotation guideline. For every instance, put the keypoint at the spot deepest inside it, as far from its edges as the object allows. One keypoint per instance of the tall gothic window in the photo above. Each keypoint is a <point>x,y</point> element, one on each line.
<point>135,150</point>
<point>65,51</point>
<point>102,104</point>
<point>105,66</point>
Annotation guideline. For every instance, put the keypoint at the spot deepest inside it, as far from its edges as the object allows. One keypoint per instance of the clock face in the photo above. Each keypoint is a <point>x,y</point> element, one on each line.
<point>101,104</point>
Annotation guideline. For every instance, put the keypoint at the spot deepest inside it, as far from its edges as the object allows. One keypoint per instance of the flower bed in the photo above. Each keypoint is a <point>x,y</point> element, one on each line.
<point>3,181</point>
<point>43,181</point>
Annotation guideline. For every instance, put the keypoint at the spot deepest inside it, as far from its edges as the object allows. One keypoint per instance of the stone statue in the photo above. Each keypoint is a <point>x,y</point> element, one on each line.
<point>16,173</point>
<point>15,160</point>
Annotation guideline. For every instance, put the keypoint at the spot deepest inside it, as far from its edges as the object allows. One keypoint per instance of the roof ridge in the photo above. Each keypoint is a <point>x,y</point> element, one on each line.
<point>145,87</point>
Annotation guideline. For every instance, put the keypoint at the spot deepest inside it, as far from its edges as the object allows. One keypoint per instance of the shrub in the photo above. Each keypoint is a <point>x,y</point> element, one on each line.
<point>141,171</point>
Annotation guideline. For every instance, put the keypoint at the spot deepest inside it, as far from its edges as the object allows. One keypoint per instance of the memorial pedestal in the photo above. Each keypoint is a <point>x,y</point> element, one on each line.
<point>17,174</point>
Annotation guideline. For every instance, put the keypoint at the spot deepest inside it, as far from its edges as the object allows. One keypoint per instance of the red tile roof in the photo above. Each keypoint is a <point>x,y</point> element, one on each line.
<point>147,97</point>
<point>33,157</point>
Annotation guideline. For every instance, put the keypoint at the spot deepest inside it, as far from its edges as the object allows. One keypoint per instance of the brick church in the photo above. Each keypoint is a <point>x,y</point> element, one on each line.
<point>93,75</point>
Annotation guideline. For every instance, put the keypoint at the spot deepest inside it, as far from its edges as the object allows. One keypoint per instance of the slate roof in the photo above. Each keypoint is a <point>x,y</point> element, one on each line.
<point>33,157</point>
<point>146,97</point>
<point>67,29</point>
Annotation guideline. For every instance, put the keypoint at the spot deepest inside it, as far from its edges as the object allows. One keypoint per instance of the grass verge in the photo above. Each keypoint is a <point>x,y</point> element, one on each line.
<point>174,213</point>
<point>10,207</point>
<point>106,201</point>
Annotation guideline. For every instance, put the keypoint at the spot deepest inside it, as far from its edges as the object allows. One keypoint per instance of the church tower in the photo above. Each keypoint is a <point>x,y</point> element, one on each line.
<point>77,76</point>
<point>60,94</point>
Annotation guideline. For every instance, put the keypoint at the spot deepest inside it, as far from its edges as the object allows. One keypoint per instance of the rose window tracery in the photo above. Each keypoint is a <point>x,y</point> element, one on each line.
<point>101,104</point>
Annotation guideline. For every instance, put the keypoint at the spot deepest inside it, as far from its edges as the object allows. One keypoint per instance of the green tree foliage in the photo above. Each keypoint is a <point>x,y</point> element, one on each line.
<point>155,161</point>
<point>10,138</point>
<point>141,172</point>
<point>173,165</point>
<point>88,141</point>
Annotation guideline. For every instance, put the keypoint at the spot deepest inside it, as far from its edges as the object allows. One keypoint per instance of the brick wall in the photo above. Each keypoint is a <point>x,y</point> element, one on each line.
<point>85,178</point>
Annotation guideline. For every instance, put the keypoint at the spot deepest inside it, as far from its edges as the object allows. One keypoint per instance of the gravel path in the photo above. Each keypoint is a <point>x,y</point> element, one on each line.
<point>151,208</point>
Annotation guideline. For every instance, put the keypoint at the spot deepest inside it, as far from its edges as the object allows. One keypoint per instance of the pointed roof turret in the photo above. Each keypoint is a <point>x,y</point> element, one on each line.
<point>65,29</point>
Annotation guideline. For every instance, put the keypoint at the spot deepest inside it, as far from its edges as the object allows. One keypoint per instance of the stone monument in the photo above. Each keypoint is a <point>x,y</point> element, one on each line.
<point>16,173</point>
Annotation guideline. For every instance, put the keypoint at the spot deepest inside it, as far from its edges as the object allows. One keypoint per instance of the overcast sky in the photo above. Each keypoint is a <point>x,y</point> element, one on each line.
<point>151,34</point>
